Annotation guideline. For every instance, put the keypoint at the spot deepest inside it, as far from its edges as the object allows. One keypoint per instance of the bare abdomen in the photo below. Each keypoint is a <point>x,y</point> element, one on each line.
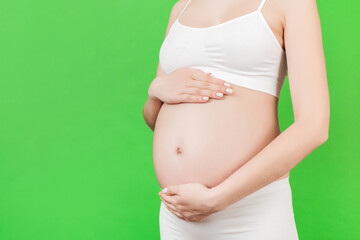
<point>207,142</point>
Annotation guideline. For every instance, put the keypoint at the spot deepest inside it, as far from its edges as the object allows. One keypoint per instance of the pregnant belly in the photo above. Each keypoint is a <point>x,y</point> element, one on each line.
<point>207,142</point>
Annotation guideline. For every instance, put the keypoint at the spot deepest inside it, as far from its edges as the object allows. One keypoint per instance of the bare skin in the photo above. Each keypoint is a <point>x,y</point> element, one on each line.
<point>210,155</point>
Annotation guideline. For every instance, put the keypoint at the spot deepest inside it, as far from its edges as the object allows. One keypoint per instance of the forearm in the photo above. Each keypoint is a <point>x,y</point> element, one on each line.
<point>151,110</point>
<point>272,162</point>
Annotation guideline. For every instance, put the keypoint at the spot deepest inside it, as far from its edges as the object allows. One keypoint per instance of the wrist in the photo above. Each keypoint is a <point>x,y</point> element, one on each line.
<point>217,199</point>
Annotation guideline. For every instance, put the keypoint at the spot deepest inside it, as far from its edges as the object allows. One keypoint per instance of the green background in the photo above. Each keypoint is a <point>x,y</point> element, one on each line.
<point>75,152</point>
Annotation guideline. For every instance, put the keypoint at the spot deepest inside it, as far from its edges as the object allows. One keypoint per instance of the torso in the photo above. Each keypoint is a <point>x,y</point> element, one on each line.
<point>207,142</point>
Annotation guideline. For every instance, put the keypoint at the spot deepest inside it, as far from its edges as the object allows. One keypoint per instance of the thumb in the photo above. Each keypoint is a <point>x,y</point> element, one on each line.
<point>171,190</point>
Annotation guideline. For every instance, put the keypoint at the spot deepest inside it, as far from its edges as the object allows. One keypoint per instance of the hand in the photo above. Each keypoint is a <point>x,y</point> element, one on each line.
<point>188,85</point>
<point>190,201</point>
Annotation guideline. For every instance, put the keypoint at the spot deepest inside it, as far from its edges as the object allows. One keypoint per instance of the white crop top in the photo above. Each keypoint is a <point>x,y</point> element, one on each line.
<point>243,51</point>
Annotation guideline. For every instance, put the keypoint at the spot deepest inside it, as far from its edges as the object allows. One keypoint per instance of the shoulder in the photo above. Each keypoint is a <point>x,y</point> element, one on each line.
<point>178,7</point>
<point>175,12</point>
<point>297,9</point>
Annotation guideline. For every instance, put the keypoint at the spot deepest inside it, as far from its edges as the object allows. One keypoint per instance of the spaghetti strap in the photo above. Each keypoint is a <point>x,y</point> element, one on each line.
<point>183,9</point>
<point>261,5</point>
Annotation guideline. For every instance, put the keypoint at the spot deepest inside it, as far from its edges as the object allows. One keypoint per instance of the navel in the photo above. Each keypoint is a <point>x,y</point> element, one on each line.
<point>178,150</point>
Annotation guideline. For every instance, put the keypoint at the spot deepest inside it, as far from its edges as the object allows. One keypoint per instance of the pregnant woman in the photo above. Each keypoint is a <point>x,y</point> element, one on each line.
<point>219,157</point>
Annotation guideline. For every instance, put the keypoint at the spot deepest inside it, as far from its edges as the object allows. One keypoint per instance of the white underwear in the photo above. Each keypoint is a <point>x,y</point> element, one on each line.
<point>266,214</point>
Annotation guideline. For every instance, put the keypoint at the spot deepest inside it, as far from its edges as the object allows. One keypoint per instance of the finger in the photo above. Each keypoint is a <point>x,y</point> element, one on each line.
<point>197,218</point>
<point>169,199</point>
<point>184,97</point>
<point>169,205</point>
<point>210,86</point>
<point>219,81</point>
<point>172,190</point>
<point>202,76</point>
<point>202,217</point>
<point>203,92</point>
<point>178,215</point>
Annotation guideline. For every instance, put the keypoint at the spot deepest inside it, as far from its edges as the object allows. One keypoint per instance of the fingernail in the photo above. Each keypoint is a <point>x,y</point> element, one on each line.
<point>227,84</point>
<point>206,98</point>
<point>219,94</point>
<point>229,90</point>
<point>164,190</point>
